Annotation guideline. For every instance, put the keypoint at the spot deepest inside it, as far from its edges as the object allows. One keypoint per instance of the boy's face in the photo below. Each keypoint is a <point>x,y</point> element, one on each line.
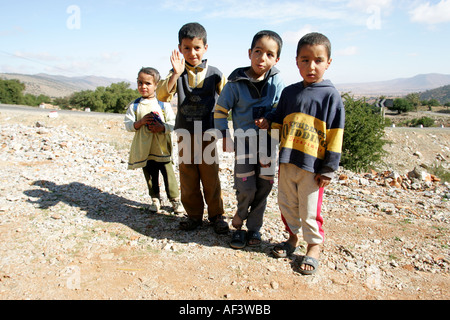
<point>146,85</point>
<point>193,50</point>
<point>313,61</point>
<point>263,57</point>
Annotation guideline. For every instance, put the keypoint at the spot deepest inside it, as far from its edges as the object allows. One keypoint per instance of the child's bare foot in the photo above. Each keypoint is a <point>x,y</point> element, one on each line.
<point>293,240</point>
<point>237,222</point>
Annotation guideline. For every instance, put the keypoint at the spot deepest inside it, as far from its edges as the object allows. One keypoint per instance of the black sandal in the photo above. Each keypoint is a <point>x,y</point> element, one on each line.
<point>283,250</point>
<point>252,236</point>
<point>238,240</point>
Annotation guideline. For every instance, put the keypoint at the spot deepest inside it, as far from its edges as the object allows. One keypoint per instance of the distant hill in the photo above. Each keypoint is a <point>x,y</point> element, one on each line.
<point>59,86</point>
<point>441,94</point>
<point>397,87</point>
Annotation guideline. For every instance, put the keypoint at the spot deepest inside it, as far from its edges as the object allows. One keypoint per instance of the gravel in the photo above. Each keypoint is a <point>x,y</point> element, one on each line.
<point>74,224</point>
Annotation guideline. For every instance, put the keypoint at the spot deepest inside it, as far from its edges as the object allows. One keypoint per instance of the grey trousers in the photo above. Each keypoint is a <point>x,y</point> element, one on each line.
<point>252,190</point>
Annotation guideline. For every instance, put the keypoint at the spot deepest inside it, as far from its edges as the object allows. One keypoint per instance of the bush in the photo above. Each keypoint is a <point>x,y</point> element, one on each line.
<point>402,105</point>
<point>34,101</point>
<point>114,98</point>
<point>363,136</point>
<point>439,171</point>
<point>425,121</point>
<point>11,91</point>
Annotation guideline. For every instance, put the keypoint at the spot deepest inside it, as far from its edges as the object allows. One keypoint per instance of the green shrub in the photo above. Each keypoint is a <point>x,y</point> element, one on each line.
<point>11,91</point>
<point>439,171</point>
<point>363,136</point>
<point>425,121</point>
<point>114,98</point>
<point>402,105</point>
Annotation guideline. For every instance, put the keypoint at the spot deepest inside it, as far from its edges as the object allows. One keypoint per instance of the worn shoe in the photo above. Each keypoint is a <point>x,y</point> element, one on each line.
<point>155,205</point>
<point>190,224</point>
<point>176,205</point>
<point>310,261</point>
<point>219,224</point>
<point>283,250</point>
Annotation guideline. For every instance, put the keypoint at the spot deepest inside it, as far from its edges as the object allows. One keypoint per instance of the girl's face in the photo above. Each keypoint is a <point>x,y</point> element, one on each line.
<point>263,57</point>
<point>312,61</point>
<point>146,85</point>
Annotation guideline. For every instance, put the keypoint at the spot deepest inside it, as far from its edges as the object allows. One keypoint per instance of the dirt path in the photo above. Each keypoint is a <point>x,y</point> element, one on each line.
<point>72,226</point>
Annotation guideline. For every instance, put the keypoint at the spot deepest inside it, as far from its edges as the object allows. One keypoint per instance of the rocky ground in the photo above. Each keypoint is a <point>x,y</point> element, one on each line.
<point>73,224</point>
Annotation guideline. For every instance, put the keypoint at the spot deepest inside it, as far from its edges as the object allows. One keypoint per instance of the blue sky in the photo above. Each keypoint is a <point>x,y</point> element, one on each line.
<point>372,40</point>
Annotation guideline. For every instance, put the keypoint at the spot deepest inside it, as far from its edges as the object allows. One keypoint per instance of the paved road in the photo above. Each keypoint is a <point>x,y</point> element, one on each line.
<point>11,107</point>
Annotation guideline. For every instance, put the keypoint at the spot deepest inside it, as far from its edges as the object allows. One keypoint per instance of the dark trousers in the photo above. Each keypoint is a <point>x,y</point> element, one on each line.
<point>151,173</point>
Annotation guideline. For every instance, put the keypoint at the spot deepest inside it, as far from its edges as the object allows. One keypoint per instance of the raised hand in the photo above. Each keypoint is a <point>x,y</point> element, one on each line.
<point>177,62</point>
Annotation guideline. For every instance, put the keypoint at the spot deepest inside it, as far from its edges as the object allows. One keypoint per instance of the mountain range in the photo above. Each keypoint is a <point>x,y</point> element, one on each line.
<point>60,86</point>
<point>397,87</point>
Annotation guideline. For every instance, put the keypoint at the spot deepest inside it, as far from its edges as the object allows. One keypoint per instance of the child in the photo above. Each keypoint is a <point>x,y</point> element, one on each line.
<point>251,93</point>
<point>197,86</point>
<point>311,117</point>
<point>151,148</point>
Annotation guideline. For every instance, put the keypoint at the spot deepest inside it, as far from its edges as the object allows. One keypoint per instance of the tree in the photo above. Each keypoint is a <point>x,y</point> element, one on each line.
<point>434,103</point>
<point>414,99</point>
<point>363,136</point>
<point>11,91</point>
<point>105,99</point>
<point>32,100</point>
<point>62,102</point>
<point>402,105</point>
<point>117,96</point>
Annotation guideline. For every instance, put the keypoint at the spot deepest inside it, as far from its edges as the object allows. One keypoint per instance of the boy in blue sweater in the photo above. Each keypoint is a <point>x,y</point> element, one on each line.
<point>250,94</point>
<point>311,118</point>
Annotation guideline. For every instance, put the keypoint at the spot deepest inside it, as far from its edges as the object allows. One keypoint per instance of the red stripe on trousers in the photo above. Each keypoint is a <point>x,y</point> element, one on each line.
<point>319,218</point>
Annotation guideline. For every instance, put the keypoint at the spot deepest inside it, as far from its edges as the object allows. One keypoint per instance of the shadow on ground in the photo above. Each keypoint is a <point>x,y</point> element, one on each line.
<point>111,208</point>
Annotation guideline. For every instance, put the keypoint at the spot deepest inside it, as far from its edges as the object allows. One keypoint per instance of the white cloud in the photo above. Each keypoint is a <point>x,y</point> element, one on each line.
<point>363,5</point>
<point>14,31</point>
<point>349,51</point>
<point>39,56</point>
<point>277,12</point>
<point>431,14</point>
<point>184,5</point>
<point>294,36</point>
<point>111,57</point>
<point>273,12</point>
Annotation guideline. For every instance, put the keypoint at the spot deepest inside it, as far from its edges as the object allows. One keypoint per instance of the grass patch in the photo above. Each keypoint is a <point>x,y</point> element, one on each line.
<point>439,171</point>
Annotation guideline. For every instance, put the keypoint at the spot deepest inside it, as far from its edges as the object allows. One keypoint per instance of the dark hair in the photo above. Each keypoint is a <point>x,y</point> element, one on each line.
<point>313,39</point>
<point>271,34</point>
<point>151,71</point>
<point>192,30</point>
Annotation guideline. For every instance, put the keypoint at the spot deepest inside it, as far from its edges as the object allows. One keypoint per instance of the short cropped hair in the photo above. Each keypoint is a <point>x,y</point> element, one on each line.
<point>192,30</point>
<point>151,71</point>
<point>272,35</point>
<point>312,39</point>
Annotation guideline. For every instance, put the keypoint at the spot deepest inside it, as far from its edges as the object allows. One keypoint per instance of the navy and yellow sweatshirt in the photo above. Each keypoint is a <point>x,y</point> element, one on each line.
<point>311,122</point>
